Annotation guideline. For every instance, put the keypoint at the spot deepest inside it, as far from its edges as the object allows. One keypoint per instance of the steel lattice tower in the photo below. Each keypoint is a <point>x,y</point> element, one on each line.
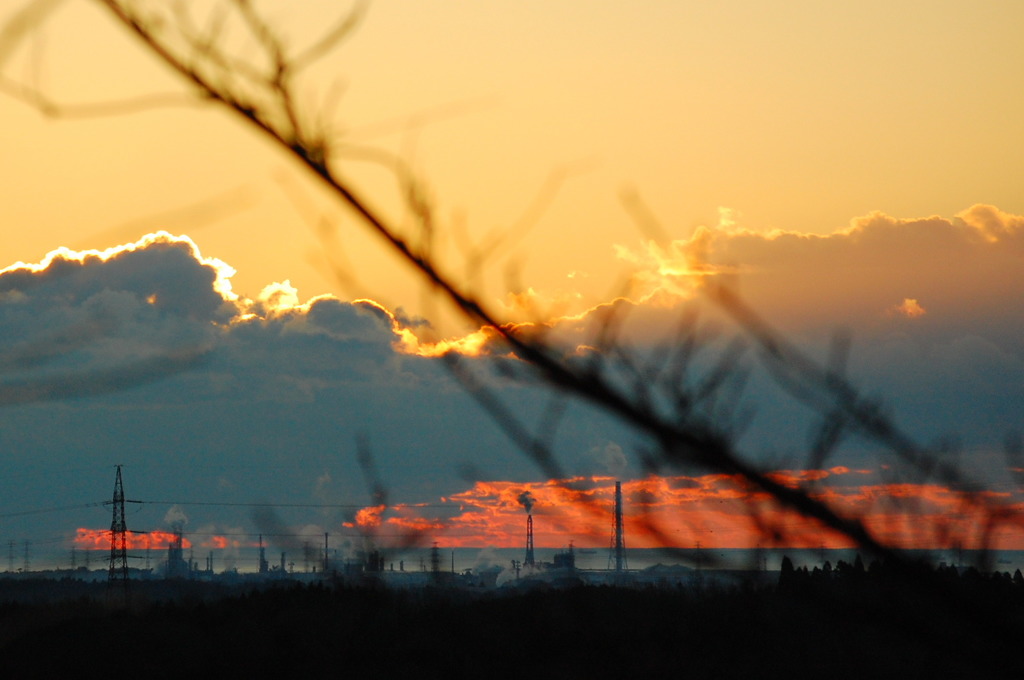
<point>118,572</point>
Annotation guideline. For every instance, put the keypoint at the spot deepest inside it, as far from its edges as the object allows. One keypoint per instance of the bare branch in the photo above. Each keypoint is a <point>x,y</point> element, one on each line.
<point>105,109</point>
<point>24,22</point>
<point>687,417</point>
<point>345,26</point>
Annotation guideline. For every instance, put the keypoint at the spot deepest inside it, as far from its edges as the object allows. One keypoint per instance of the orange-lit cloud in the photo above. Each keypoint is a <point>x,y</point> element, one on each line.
<point>477,343</point>
<point>847,279</point>
<point>530,305</point>
<point>851,276</point>
<point>796,478</point>
<point>369,517</point>
<point>909,308</point>
<point>714,511</point>
<point>219,543</point>
<point>278,297</point>
<point>99,539</point>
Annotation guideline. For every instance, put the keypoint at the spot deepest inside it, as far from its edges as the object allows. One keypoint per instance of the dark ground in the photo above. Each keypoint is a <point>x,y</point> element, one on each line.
<point>859,627</point>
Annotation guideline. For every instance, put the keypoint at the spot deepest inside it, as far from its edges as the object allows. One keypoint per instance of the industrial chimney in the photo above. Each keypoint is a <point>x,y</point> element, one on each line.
<point>527,500</point>
<point>263,566</point>
<point>528,561</point>
<point>618,552</point>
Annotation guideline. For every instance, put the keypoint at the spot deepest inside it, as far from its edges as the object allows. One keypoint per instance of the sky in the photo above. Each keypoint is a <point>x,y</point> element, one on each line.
<point>220,326</point>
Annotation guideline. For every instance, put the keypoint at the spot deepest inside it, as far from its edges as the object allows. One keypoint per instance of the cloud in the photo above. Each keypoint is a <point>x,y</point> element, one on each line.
<point>909,308</point>
<point>87,323</point>
<point>96,539</point>
<point>167,271</point>
<point>967,268</point>
<point>931,305</point>
<point>206,395</point>
<point>533,305</point>
<point>275,297</point>
<point>717,511</point>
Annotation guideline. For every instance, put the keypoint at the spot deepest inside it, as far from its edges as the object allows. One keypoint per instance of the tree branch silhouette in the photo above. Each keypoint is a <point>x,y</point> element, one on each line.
<point>681,413</point>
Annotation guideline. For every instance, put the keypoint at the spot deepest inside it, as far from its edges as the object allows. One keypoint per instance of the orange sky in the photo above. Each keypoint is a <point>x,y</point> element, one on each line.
<point>849,169</point>
<point>798,117</point>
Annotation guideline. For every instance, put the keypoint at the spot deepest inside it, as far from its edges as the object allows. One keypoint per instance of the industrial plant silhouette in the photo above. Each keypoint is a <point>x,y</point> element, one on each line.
<point>849,620</point>
<point>125,570</point>
<point>369,564</point>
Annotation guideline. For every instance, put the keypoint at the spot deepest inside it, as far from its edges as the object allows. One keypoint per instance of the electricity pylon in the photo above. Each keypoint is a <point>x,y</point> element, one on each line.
<point>118,572</point>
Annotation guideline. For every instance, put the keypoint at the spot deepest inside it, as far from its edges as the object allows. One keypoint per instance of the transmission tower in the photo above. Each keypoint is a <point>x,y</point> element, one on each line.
<point>118,572</point>
<point>618,551</point>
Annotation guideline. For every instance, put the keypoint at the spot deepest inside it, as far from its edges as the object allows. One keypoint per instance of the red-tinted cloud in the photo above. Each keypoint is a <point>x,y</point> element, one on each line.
<point>717,511</point>
<point>99,539</point>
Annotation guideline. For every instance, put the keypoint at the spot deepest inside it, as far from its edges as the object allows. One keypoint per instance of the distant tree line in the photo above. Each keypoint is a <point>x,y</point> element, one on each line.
<point>881,573</point>
<point>843,622</point>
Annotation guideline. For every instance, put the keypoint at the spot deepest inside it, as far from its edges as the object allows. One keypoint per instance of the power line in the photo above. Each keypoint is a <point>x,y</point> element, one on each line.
<point>39,511</point>
<point>255,504</point>
<point>344,531</point>
<point>223,504</point>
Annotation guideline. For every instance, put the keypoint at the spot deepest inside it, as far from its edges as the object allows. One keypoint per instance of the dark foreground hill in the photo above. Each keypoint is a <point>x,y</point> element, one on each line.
<point>824,630</point>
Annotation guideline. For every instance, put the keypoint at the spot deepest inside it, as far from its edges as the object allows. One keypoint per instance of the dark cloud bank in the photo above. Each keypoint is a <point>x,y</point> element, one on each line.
<point>144,357</point>
<point>136,358</point>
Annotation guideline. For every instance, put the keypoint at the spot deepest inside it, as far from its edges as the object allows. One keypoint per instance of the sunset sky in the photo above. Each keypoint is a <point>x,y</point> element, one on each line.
<point>233,333</point>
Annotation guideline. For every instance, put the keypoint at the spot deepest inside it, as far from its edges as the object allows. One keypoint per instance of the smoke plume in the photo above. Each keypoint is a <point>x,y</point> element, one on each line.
<point>175,517</point>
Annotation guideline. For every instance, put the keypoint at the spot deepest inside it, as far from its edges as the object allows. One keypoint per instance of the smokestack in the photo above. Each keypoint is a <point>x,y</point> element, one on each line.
<point>618,539</point>
<point>527,500</point>
<point>435,561</point>
<point>528,561</point>
<point>263,566</point>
